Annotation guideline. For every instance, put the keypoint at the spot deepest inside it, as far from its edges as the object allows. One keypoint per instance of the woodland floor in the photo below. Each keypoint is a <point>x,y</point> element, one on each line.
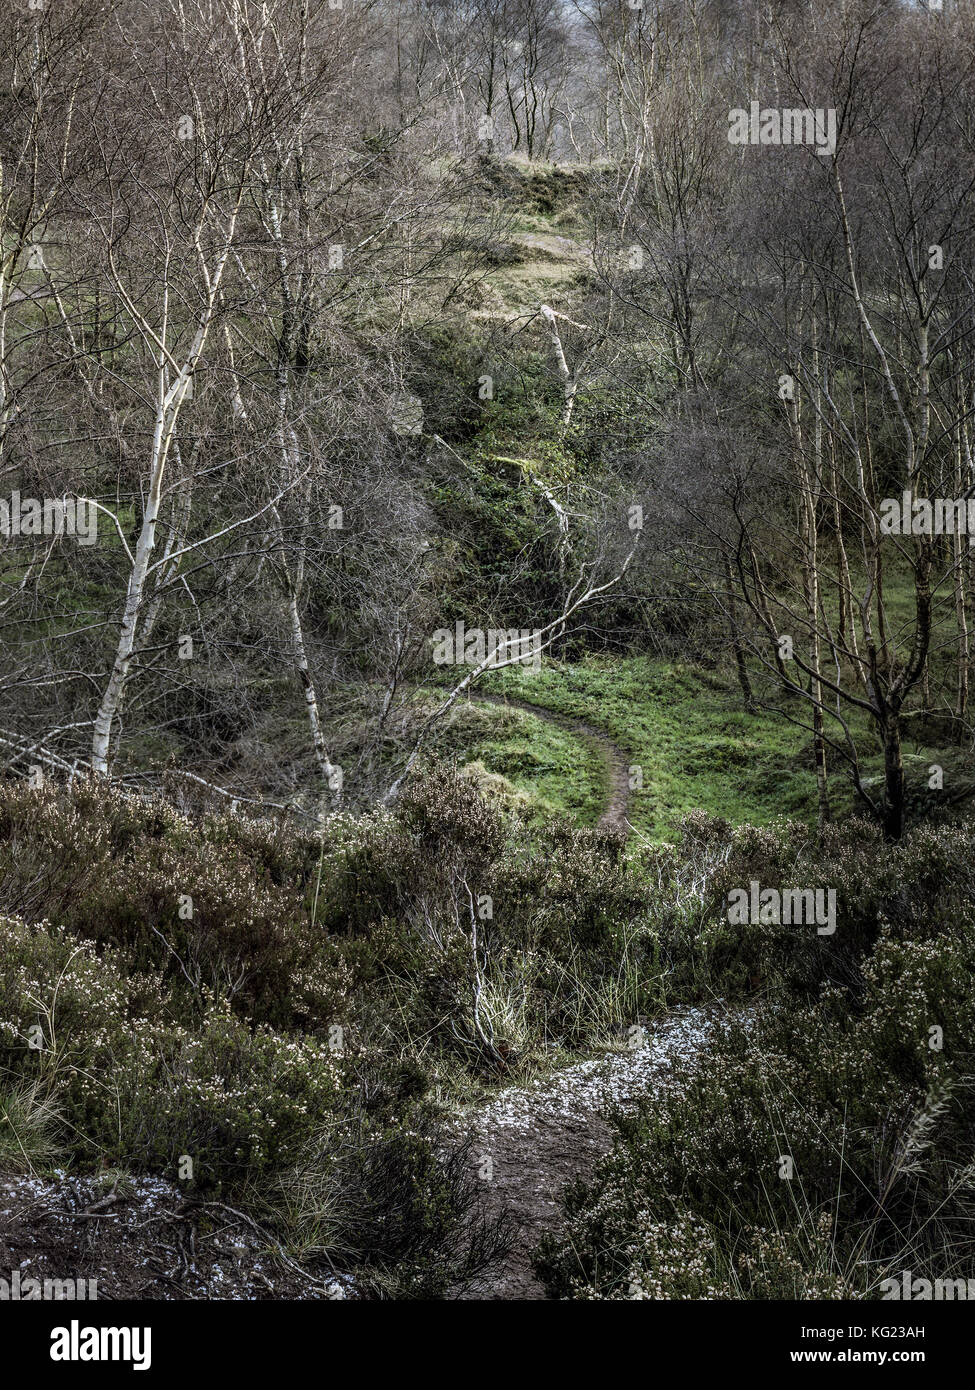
<point>146,1241</point>
<point>616,763</point>
<point>143,1241</point>
<point>542,1136</point>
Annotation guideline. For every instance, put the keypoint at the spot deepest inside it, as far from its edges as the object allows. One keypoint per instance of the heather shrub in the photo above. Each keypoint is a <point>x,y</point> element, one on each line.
<point>438,926</point>
<point>484,943</point>
<point>55,841</point>
<point>398,1200</point>
<point>217,905</point>
<point>235,1100</point>
<point>135,1086</point>
<point>62,1002</point>
<point>826,1138</point>
<point>200,914</point>
<point>97,1072</point>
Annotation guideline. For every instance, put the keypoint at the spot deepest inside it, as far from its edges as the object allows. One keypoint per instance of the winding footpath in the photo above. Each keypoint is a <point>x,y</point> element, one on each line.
<point>539,1137</point>
<point>615,761</point>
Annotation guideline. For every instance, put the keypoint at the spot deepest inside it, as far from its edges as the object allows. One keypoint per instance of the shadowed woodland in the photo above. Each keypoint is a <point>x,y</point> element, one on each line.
<point>331,332</point>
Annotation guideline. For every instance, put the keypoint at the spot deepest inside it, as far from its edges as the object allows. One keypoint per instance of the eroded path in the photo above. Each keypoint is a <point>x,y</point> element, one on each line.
<point>614,759</point>
<point>540,1137</point>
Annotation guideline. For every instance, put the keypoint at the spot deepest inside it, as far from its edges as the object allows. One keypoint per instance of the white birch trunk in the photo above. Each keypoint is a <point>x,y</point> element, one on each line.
<point>169,401</point>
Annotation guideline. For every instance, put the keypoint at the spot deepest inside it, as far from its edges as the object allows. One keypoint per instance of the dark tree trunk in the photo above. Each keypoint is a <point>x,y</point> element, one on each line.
<point>895,786</point>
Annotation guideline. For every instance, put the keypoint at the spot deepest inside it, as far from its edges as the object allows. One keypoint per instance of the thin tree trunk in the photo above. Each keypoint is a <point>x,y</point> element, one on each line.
<point>895,785</point>
<point>325,766</point>
<point>740,664</point>
<point>169,401</point>
<point>167,413</point>
<point>961,614</point>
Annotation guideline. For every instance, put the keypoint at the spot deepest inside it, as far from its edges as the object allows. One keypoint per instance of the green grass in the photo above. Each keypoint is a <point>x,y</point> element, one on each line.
<point>684,727</point>
<point>548,770</point>
<point>687,732</point>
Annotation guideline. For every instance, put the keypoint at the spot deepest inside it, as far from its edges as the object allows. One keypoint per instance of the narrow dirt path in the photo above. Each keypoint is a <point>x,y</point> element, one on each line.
<point>541,1136</point>
<point>614,759</point>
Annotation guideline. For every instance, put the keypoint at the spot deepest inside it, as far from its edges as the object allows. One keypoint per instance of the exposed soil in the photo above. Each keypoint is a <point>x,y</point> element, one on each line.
<point>147,1241</point>
<point>143,1242</point>
<point>614,759</point>
<point>540,1137</point>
